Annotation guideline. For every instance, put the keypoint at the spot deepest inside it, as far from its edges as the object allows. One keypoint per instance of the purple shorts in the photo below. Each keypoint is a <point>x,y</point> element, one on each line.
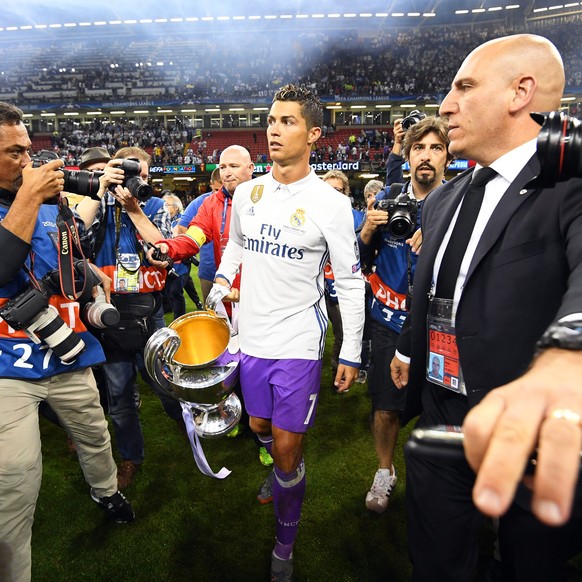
<point>284,391</point>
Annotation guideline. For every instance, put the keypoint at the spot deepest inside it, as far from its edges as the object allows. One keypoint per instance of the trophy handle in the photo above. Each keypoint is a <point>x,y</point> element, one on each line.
<point>160,350</point>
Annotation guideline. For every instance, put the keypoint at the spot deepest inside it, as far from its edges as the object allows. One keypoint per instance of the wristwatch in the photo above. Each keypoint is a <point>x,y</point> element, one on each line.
<point>566,335</point>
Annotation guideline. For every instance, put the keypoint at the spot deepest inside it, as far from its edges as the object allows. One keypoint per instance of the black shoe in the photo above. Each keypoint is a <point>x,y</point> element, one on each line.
<point>117,507</point>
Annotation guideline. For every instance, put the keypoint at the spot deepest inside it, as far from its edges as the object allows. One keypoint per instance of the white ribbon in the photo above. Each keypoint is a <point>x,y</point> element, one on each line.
<point>199,455</point>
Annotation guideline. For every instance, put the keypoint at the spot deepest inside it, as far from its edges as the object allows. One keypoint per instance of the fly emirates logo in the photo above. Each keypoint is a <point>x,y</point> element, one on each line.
<point>269,244</point>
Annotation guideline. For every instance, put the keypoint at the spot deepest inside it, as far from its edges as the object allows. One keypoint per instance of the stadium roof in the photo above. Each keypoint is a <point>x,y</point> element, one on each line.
<point>47,15</point>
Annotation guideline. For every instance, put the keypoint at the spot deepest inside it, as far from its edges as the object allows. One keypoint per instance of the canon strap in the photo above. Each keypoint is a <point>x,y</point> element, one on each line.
<point>69,247</point>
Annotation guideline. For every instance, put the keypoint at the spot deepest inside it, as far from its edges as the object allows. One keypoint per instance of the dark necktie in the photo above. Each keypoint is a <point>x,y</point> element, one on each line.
<point>455,251</point>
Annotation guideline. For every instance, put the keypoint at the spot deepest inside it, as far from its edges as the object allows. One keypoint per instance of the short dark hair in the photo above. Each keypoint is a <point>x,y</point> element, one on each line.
<point>431,124</point>
<point>10,114</point>
<point>311,107</point>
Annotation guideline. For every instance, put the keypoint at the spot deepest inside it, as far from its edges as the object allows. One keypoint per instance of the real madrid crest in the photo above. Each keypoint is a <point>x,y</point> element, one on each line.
<point>298,218</point>
<point>257,193</point>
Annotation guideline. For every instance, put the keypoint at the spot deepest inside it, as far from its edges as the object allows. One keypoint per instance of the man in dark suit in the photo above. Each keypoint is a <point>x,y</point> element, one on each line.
<point>518,280</point>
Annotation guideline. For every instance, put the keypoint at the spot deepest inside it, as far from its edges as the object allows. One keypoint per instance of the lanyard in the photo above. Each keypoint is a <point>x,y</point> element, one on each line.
<point>139,246</point>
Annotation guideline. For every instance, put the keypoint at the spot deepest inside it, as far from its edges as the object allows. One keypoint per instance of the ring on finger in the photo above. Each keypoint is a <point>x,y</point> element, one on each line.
<point>566,414</point>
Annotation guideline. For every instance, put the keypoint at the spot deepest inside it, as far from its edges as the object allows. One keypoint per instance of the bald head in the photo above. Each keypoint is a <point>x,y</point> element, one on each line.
<point>494,91</point>
<point>235,167</point>
<point>236,150</point>
<point>528,56</point>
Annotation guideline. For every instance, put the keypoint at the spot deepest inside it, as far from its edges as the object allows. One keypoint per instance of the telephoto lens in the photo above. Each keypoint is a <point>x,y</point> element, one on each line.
<point>82,182</point>
<point>49,326</point>
<point>100,314</point>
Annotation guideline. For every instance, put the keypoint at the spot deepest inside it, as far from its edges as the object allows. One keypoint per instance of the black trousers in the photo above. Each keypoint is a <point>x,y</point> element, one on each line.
<point>443,523</point>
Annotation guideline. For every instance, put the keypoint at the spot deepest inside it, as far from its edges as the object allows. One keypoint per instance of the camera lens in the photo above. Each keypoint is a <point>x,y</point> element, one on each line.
<point>82,182</point>
<point>412,119</point>
<point>139,189</point>
<point>400,224</point>
<point>63,341</point>
<point>100,314</point>
<point>559,147</point>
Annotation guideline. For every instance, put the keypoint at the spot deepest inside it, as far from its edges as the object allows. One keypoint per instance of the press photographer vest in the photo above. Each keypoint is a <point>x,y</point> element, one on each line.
<point>389,281</point>
<point>20,357</point>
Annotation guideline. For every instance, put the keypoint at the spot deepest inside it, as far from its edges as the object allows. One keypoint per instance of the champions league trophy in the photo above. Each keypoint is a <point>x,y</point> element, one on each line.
<point>195,360</point>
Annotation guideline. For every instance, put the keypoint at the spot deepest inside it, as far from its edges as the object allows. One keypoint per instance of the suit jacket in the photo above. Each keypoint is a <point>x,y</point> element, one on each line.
<point>525,274</point>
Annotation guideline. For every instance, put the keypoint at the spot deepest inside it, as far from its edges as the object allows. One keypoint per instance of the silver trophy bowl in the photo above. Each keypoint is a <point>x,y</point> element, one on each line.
<point>195,360</point>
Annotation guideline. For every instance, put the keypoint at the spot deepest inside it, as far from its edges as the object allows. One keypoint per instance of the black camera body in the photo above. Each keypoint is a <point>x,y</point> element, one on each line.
<point>559,147</point>
<point>19,311</point>
<point>412,119</point>
<point>82,272</point>
<point>96,312</point>
<point>30,311</point>
<point>159,256</point>
<point>76,181</point>
<point>402,212</point>
<point>132,180</point>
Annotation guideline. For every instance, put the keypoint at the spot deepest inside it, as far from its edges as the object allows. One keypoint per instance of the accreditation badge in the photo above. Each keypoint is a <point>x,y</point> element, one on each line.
<point>126,275</point>
<point>442,362</point>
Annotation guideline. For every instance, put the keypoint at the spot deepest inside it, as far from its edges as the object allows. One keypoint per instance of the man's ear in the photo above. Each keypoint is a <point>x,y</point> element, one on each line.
<point>313,135</point>
<point>524,90</point>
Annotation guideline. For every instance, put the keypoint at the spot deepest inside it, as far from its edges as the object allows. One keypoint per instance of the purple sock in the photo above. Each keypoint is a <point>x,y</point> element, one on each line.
<point>288,494</point>
<point>267,442</point>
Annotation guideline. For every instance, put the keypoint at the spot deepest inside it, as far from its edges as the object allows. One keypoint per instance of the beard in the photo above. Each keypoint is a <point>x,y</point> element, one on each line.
<point>423,178</point>
<point>16,184</point>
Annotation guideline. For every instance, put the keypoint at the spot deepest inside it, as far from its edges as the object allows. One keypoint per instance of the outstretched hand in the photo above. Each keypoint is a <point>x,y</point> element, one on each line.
<point>543,410</point>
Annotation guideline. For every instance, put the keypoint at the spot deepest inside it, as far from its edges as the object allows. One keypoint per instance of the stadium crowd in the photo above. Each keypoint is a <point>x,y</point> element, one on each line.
<point>174,144</point>
<point>391,63</point>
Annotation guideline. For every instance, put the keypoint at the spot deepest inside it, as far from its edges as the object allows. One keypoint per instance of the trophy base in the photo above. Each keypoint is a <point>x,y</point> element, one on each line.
<point>216,421</point>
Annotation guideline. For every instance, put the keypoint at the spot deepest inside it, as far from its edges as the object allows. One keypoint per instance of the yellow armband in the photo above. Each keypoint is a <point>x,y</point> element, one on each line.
<point>197,235</point>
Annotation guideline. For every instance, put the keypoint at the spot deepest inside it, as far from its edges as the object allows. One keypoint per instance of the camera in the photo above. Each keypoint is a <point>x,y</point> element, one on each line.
<point>132,180</point>
<point>30,311</point>
<point>76,181</point>
<point>100,314</point>
<point>157,255</point>
<point>559,147</point>
<point>82,272</point>
<point>412,119</point>
<point>96,312</point>
<point>402,212</point>
<point>86,183</point>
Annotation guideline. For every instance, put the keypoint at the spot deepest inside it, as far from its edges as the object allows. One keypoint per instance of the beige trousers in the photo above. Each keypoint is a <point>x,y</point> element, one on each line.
<point>75,399</point>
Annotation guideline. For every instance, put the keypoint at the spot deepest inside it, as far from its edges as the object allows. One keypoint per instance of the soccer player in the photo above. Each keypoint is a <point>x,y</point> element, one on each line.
<point>284,227</point>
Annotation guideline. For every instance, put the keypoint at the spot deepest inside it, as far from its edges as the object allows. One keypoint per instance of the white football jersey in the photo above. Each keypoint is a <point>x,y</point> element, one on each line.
<point>283,235</point>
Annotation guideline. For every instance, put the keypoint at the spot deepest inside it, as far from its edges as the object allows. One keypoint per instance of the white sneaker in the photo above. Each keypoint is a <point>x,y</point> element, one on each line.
<point>377,497</point>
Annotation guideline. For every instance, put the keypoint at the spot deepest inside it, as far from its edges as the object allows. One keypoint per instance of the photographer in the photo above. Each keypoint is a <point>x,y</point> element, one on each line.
<point>30,371</point>
<point>392,259</point>
<point>126,217</point>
